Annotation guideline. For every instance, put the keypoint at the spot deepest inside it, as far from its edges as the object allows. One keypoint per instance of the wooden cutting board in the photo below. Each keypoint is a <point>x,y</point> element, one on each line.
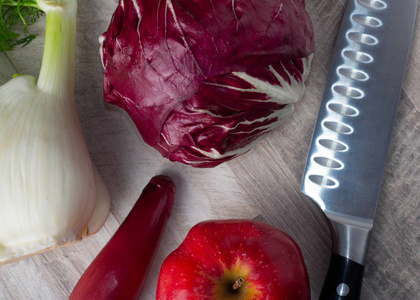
<point>262,184</point>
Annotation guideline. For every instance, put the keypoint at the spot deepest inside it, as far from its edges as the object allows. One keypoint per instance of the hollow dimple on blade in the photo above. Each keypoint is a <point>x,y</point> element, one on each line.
<point>343,106</point>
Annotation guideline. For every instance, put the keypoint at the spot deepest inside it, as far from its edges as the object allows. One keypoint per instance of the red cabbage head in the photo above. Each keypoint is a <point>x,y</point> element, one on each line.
<point>205,80</point>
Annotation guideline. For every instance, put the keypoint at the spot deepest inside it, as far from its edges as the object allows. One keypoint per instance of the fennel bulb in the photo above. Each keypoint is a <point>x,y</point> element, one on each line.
<point>50,192</point>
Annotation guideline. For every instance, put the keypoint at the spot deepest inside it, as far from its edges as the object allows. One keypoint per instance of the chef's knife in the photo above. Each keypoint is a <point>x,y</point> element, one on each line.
<point>350,142</point>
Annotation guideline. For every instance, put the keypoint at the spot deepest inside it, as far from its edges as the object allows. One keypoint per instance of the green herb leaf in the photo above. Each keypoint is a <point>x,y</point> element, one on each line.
<point>15,17</point>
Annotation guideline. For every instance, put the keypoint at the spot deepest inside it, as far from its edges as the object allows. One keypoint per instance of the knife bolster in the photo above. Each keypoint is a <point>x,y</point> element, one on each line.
<point>350,241</point>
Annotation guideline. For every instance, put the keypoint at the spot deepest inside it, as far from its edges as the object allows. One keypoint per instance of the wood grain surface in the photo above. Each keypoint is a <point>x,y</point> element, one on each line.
<point>262,184</point>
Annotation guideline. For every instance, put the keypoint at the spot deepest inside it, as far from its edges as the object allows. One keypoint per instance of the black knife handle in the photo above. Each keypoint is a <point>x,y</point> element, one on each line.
<point>343,281</point>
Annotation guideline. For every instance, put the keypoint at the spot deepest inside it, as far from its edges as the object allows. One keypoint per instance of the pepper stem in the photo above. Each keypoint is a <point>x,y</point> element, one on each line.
<point>238,283</point>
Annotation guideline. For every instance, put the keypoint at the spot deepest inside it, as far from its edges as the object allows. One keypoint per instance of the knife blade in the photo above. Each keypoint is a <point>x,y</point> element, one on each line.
<point>351,137</point>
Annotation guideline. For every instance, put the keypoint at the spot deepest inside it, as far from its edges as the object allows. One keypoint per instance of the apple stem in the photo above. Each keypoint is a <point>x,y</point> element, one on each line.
<point>238,283</point>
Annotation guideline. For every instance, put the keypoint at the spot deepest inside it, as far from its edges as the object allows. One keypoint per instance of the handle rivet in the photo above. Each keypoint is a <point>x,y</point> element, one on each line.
<point>343,289</point>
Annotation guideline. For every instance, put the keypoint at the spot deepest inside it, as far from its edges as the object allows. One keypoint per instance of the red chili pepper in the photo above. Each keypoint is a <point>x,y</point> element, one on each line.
<point>120,269</point>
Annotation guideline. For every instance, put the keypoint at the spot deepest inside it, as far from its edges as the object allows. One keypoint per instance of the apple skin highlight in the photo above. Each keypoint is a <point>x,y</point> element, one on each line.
<point>216,253</point>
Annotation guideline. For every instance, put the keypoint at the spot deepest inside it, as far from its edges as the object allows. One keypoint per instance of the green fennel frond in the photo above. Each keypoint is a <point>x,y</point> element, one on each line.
<point>15,17</point>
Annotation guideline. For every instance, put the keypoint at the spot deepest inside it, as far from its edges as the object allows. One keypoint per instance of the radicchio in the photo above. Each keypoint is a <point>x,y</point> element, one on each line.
<point>204,80</point>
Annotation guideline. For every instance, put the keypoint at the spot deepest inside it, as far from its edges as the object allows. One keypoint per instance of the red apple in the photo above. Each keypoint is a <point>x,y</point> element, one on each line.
<point>234,259</point>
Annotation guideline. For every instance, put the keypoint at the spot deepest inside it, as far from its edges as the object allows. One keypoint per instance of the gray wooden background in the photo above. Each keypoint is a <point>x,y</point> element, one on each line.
<point>263,183</point>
